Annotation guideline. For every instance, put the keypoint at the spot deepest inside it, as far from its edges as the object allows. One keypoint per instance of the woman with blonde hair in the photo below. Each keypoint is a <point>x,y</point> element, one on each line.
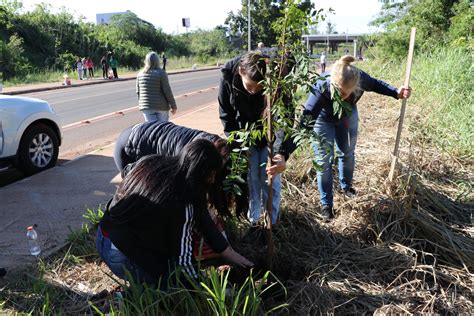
<point>332,107</point>
<point>155,98</point>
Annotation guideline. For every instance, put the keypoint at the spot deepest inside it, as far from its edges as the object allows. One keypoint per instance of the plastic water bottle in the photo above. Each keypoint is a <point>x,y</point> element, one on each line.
<point>33,241</point>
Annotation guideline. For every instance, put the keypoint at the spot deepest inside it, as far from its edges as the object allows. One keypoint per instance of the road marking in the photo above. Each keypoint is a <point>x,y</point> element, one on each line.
<point>113,143</point>
<point>130,109</point>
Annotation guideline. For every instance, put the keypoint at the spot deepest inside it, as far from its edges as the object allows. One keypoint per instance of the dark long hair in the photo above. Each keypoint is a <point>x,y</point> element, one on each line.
<point>253,65</point>
<point>157,181</point>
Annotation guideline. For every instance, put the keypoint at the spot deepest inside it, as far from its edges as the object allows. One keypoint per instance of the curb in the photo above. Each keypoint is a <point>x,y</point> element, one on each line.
<point>97,82</point>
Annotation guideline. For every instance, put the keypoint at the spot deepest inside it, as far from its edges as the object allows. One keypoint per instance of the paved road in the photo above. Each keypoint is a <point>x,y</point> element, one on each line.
<point>93,116</point>
<point>80,103</point>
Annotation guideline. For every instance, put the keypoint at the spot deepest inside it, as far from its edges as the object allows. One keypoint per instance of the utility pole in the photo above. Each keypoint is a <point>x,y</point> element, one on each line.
<point>248,27</point>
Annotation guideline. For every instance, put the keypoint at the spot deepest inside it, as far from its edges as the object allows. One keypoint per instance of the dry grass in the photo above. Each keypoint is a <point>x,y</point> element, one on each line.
<point>402,247</point>
<point>398,248</point>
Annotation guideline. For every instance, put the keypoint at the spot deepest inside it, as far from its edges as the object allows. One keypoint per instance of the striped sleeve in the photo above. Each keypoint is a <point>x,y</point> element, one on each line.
<point>186,250</point>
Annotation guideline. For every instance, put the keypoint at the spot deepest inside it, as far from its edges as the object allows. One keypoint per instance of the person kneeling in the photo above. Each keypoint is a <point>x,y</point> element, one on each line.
<point>147,227</point>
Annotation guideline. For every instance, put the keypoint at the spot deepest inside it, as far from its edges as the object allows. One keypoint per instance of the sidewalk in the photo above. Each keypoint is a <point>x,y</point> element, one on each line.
<point>56,199</point>
<point>36,87</point>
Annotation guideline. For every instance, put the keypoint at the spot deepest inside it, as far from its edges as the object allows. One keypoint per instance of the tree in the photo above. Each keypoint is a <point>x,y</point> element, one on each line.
<point>330,27</point>
<point>262,12</point>
<point>432,19</point>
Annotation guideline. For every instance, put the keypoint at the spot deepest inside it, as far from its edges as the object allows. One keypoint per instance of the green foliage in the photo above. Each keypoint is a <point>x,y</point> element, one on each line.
<point>438,22</point>
<point>12,57</point>
<point>289,78</point>
<point>462,25</point>
<point>211,294</point>
<point>205,44</point>
<point>443,91</point>
<point>47,40</point>
<point>261,12</point>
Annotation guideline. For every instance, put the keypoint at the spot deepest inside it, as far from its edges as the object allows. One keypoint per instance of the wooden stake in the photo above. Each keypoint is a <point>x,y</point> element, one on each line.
<point>268,99</point>
<point>404,104</point>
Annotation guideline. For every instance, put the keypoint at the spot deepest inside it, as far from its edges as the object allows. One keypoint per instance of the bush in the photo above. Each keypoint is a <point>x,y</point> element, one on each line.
<point>443,92</point>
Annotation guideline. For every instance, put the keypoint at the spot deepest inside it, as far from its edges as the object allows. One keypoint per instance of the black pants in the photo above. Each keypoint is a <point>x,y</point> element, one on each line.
<point>105,70</point>
<point>120,156</point>
<point>91,72</point>
<point>115,72</point>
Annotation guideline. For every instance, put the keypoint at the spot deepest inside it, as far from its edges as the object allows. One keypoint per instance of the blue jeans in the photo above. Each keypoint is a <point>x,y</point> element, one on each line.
<point>344,132</point>
<point>152,116</point>
<point>258,187</point>
<point>119,263</point>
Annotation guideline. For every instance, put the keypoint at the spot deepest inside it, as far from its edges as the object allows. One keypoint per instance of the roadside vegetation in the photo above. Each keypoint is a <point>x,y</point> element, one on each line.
<point>41,45</point>
<point>401,247</point>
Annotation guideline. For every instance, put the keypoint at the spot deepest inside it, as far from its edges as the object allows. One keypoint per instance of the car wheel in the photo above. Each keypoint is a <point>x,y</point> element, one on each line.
<point>39,149</point>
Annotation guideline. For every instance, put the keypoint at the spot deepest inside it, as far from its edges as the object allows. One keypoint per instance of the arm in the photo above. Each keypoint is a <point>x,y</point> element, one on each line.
<point>165,86</point>
<point>210,232</point>
<point>217,241</point>
<point>367,83</point>
<point>227,113</point>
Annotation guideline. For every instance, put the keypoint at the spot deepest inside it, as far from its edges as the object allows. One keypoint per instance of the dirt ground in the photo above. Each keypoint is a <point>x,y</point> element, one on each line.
<point>403,247</point>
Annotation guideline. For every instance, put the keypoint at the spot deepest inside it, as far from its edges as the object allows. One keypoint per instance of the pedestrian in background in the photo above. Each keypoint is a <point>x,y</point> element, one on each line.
<point>90,67</point>
<point>113,63</point>
<point>84,69</point>
<point>105,67</point>
<point>155,98</point>
<point>79,68</point>
<point>323,62</point>
<point>164,59</point>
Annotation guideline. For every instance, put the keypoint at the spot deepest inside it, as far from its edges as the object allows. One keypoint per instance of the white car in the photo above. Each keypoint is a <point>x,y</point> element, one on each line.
<point>30,134</point>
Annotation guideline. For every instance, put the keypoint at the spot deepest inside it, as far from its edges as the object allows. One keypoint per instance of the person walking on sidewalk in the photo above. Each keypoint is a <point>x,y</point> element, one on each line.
<point>147,227</point>
<point>79,66</point>
<point>344,87</point>
<point>323,62</point>
<point>165,60</point>
<point>84,69</point>
<point>241,103</point>
<point>105,67</point>
<point>113,63</point>
<point>155,98</point>
<point>90,67</point>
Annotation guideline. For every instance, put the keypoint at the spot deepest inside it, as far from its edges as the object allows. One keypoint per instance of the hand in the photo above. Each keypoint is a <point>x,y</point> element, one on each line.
<point>235,258</point>
<point>279,165</point>
<point>173,111</point>
<point>404,92</point>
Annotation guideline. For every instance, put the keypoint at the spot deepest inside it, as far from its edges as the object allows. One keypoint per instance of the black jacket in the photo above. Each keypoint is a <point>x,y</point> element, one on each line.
<point>162,138</point>
<point>156,238</point>
<point>237,107</point>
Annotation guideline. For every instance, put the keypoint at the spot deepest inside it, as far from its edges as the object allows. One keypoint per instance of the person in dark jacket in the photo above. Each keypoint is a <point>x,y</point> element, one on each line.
<point>105,66</point>
<point>147,227</point>
<point>168,139</point>
<point>339,124</point>
<point>241,102</point>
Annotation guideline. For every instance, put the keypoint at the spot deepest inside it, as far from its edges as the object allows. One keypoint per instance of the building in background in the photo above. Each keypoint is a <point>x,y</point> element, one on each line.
<point>104,18</point>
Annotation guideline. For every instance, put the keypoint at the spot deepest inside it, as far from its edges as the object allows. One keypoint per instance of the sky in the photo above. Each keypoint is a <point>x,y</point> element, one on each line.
<point>350,16</point>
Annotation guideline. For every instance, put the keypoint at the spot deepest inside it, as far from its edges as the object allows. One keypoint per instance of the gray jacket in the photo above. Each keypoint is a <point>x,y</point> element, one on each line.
<point>154,91</point>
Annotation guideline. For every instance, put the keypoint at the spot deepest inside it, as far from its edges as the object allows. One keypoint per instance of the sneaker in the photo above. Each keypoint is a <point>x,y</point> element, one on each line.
<point>349,192</point>
<point>327,212</point>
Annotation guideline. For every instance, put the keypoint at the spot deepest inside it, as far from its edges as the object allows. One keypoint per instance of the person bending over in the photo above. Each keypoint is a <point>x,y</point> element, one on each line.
<point>346,84</point>
<point>147,227</point>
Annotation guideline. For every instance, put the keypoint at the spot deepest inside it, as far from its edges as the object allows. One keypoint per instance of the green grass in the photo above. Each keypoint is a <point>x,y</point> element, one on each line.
<point>50,287</point>
<point>443,96</point>
<point>46,76</point>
